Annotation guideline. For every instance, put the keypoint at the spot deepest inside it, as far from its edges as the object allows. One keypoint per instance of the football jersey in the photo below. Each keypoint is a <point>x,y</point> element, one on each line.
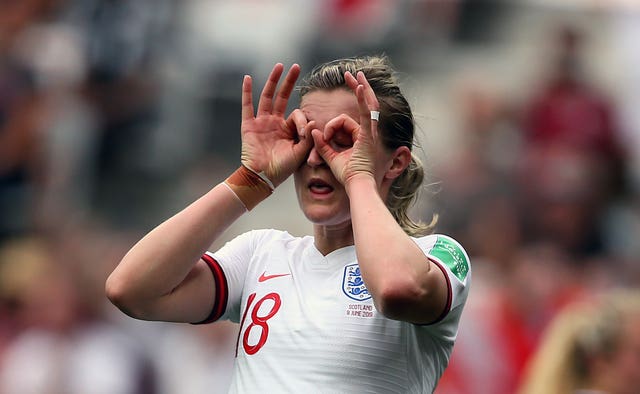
<point>308,323</point>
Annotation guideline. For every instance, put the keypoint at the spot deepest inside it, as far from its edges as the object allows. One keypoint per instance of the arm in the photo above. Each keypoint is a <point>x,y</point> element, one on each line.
<point>162,277</point>
<point>404,283</point>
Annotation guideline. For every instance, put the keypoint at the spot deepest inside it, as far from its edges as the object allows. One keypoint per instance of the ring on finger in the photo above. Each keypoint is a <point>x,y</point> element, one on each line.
<point>375,115</point>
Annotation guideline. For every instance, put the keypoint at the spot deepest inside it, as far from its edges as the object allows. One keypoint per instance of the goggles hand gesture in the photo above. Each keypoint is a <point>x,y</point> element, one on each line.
<point>357,160</point>
<point>272,145</point>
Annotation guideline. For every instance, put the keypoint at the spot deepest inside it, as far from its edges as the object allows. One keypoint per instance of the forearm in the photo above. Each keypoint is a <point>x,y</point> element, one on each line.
<point>161,260</point>
<point>402,281</point>
<point>384,249</point>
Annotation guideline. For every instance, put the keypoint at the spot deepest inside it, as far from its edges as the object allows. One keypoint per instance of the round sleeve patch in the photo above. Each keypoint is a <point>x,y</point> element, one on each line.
<point>451,254</point>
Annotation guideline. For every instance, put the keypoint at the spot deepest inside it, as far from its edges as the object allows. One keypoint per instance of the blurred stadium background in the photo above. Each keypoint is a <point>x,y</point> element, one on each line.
<point>115,114</point>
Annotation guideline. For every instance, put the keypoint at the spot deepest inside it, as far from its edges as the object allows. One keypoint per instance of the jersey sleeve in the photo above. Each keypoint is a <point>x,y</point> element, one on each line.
<point>450,257</point>
<point>229,267</point>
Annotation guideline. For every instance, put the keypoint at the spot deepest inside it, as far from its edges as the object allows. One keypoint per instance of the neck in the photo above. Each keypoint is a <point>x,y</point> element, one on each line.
<point>330,238</point>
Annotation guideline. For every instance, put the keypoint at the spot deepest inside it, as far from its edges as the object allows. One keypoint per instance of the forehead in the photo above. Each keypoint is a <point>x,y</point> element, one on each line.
<point>324,105</point>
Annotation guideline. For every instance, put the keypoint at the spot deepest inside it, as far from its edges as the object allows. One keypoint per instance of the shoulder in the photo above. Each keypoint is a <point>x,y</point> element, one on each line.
<point>448,252</point>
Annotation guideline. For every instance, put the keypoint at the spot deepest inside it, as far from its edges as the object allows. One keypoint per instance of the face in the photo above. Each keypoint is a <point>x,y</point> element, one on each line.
<point>322,197</point>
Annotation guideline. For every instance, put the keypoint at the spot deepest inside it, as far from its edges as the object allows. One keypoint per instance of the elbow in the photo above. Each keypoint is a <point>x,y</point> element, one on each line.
<point>119,294</point>
<point>399,299</point>
<point>411,301</point>
<point>115,291</point>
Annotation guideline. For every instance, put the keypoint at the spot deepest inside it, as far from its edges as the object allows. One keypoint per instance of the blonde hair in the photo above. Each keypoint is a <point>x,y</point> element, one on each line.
<point>396,126</point>
<point>577,334</point>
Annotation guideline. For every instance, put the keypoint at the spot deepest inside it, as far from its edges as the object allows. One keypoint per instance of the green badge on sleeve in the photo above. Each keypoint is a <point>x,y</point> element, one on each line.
<point>451,254</point>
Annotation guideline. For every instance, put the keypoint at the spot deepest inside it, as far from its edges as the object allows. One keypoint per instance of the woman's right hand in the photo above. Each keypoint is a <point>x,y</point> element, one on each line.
<point>271,143</point>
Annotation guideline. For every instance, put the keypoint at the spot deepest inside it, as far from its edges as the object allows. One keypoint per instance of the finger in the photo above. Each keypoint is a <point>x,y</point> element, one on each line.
<point>247,99</point>
<point>351,81</point>
<point>341,122</point>
<point>365,111</point>
<point>302,148</point>
<point>323,149</point>
<point>282,98</point>
<point>297,121</point>
<point>266,97</point>
<point>306,130</point>
<point>369,94</point>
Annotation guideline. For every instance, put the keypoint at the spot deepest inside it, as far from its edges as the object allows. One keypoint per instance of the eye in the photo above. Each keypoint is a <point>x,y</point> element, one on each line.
<point>341,141</point>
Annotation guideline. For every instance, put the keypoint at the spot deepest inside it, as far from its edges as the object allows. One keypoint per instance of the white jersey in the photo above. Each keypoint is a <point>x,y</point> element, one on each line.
<point>308,323</point>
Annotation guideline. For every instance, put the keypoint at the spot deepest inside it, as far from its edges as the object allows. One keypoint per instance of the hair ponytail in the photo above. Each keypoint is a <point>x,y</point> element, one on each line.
<point>403,193</point>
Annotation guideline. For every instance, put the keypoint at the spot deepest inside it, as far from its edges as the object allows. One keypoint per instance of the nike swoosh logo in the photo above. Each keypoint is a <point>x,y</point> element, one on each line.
<point>264,276</point>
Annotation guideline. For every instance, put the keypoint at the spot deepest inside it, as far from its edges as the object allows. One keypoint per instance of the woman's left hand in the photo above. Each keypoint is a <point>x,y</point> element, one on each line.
<point>357,160</point>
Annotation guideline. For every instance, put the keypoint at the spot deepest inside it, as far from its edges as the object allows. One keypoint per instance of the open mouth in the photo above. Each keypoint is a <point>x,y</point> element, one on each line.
<point>318,186</point>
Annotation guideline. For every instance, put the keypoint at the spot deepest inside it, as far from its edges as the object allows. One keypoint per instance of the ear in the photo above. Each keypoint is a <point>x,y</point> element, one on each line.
<point>399,161</point>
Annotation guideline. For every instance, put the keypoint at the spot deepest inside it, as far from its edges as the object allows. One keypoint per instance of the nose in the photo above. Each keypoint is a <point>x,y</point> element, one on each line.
<point>314,159</point>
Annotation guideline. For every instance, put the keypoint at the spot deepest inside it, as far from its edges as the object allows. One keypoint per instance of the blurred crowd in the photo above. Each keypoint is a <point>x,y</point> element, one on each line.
<point>114,114</point>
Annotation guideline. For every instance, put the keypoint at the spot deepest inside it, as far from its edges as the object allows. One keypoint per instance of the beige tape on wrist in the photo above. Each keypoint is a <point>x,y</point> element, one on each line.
<point>250,188</point>
<point>262,176</point>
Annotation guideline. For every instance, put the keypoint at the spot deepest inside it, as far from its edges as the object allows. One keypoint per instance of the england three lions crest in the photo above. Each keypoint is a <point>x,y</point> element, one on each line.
<point>353,285</point>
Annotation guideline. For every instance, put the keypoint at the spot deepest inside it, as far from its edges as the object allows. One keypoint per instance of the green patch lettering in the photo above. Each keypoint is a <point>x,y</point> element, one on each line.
<point>452,255</point>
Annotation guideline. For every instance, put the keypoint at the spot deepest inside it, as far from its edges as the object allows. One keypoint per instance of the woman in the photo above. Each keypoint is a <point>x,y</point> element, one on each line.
<point>364,304</point>
<point>591,347</point>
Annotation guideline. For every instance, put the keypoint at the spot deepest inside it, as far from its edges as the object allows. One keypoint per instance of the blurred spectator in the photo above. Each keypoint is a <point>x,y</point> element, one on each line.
<point>509,310</point>
<point>574,161</point>
<point>531,208</point>
<point>196,359</point>
<point>76,110</point>
<point>65,131</point>
<point>20,115</point>
<point>590,347</point>
<point>626,29</point>
<point>123,48</point>
<point>571,111</point>
<point>62,343</point>
<point>479,200</point>
<point>563,196</point>
<point>352,27</point>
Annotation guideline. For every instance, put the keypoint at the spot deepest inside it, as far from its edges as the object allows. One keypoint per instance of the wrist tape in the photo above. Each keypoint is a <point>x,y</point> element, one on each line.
<point>250,187</point>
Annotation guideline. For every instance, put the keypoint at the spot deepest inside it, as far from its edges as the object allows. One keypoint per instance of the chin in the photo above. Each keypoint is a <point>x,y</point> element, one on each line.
<point>323,215</point>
